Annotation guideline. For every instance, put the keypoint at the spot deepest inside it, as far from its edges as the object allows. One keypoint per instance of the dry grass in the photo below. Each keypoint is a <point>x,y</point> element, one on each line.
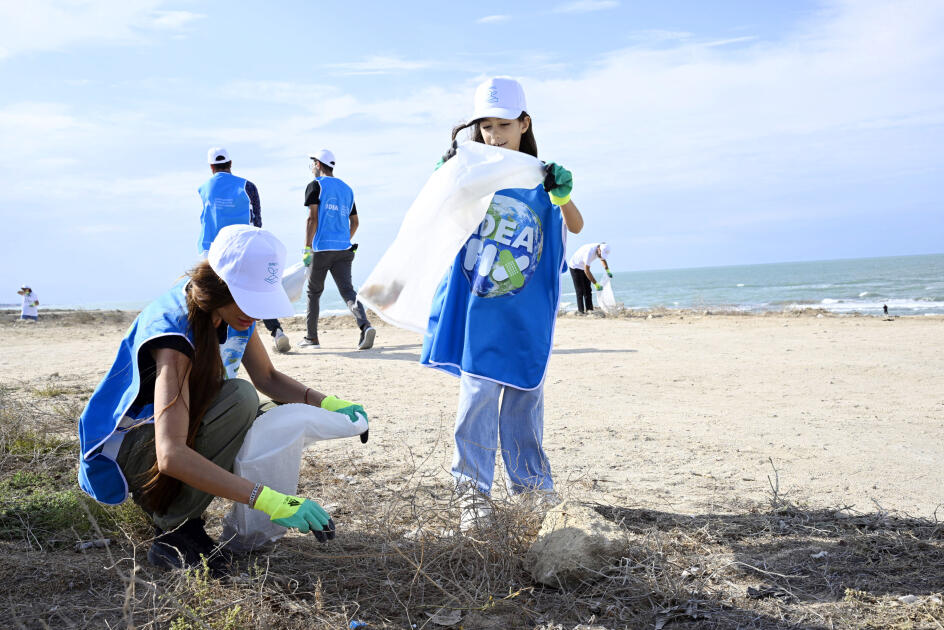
<point>395,562</point>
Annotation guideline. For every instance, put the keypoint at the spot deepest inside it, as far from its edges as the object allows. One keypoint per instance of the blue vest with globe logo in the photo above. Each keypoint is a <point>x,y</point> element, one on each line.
<point>493,315</point>
<point>334,215</point>
<point>111,411</point>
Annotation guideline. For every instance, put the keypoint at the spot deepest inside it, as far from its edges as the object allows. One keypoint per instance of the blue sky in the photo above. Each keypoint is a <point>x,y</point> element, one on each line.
<point>698,133</point>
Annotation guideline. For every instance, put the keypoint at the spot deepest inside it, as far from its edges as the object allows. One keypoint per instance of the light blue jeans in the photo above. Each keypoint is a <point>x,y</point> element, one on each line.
<point>518,422</point>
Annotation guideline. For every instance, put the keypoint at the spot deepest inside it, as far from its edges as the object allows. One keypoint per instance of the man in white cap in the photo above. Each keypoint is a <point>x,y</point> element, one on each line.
<point>231,200</point>
<point>332,221</point>
<point>579,264</point>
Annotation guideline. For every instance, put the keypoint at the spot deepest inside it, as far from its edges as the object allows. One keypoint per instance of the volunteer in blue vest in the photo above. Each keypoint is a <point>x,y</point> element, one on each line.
<point>579,264</point>
<point>29,312</point>
<point>332,221</point>
<point>231,200</point>
<point>492,319</point>
<point>170,415</point>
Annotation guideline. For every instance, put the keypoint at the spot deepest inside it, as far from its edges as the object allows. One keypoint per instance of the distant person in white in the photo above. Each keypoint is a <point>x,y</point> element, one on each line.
<point>30,302</point>
<point>579,264</point>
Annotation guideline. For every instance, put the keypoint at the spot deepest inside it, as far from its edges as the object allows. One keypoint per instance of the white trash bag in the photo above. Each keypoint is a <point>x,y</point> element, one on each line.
<point>272,454</point>
<point>444,215</point>
<point>294,280</point>
<point>607,298</point>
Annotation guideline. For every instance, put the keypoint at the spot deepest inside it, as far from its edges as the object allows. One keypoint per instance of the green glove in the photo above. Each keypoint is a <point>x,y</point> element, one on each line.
<point>306,257</point>
<point>288,511</point>
<point>597,286</point>
<point>609,273</point>
<point>451,153</point>
<point>558,182</point>
<point>349,409</point>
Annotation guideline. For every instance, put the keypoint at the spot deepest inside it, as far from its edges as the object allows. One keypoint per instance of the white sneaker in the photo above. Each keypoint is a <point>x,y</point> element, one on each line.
<point>475,509</point>
<point>281,342</point>
<point>309,343</point>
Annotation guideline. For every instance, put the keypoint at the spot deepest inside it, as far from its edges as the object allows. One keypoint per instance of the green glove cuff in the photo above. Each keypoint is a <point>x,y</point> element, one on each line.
<point>598,286</point>
<point>559,201</point>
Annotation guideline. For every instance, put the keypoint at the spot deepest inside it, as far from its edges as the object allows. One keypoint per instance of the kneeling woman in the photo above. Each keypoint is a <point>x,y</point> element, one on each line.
<point>170,416</point>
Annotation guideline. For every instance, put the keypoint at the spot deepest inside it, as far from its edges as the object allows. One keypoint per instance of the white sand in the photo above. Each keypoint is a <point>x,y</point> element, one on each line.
<point>676,413</point>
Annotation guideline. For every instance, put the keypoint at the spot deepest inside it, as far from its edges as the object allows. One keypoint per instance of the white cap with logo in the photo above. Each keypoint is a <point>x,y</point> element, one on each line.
<point>217,155</point>
<point>604,251</point>
<point>499,97</point>
<point>324,156</point>
<point>250,261</point>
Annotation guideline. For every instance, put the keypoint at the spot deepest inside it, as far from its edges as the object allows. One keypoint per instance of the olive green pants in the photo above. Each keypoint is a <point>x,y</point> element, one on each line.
<point>219,438</point>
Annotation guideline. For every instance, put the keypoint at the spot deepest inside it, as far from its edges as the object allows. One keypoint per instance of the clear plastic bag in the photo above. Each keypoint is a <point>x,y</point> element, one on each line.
<point>272,454</point>
<point>294,280</point>
<point>447,211</point>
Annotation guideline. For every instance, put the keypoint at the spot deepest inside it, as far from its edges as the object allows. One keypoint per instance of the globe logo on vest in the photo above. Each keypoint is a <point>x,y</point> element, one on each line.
<point>501,256</point>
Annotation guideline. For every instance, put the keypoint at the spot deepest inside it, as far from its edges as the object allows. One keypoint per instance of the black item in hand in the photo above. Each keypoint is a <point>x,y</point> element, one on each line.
<point>364,436</point>
<point>325,534</point>
<point>451,153</point>
<point>549,182</point>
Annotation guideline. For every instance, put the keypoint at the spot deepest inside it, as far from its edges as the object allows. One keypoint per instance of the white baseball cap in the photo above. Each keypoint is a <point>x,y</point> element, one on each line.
<point>324,156</point>
<point>250,261</point>
<point>499,97</point>
<point>604,250</point>
<point>217,155</point>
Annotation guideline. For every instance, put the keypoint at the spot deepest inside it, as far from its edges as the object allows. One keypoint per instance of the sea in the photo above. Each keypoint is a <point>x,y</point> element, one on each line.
<point>908,285</point>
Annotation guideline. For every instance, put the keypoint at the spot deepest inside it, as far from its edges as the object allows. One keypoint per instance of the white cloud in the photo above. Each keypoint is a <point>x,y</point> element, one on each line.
<point>586,6</point>
<point>379,64</point>
<point>174,20</point>
<point>493,19</point>
<point>46,25</point>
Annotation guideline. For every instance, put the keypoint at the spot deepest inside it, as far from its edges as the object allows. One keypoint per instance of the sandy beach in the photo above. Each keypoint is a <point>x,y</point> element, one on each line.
<point>682,413</point>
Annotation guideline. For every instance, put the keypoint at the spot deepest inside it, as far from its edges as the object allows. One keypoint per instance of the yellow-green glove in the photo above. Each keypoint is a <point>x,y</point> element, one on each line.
<point>349,409</point>
<point>289,511</point>
<point>597,286</point>
<point>306,257</point>
<point>609,273</point>
<point>558,182</point>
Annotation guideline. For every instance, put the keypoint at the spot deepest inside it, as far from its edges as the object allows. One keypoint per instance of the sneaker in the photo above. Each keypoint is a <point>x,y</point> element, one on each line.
<point>186,547</point>
<point>475,509</point>
<point>281,342</point>
<point>309,343</point>
<point>539,500</point>
<point>367,338</point>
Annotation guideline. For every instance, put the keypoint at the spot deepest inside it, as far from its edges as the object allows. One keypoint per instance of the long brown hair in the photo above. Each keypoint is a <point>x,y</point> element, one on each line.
<point>206,292</point>
<point>528,144</point>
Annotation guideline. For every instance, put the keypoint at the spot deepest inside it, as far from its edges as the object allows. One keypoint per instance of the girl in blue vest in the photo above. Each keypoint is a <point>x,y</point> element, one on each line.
<point>492,320</point>
<point>169,417</point>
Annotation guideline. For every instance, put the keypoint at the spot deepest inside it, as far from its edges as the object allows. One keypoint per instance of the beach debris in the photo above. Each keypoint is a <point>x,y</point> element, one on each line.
<point>770,591</point>
<point>909,599</point>
<point>573,545</point>
<point>92,544</point>
<point>821,554</point>
<point>356,624</point>
<point>445,617</point>
<point>691,573</point>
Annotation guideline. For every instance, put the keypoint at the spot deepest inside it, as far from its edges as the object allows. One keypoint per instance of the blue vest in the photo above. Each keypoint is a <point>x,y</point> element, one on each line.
<point>109,413</point>
<point>493,315</point>
<point>334,216</point>
<point>225,202</point>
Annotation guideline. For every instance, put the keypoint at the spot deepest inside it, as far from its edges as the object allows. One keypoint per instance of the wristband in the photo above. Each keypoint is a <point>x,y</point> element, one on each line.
<point>254,494</point>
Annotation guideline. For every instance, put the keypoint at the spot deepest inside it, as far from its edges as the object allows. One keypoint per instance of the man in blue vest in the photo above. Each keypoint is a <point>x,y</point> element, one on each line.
<point>332,221</point>
<point>231,200</point>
